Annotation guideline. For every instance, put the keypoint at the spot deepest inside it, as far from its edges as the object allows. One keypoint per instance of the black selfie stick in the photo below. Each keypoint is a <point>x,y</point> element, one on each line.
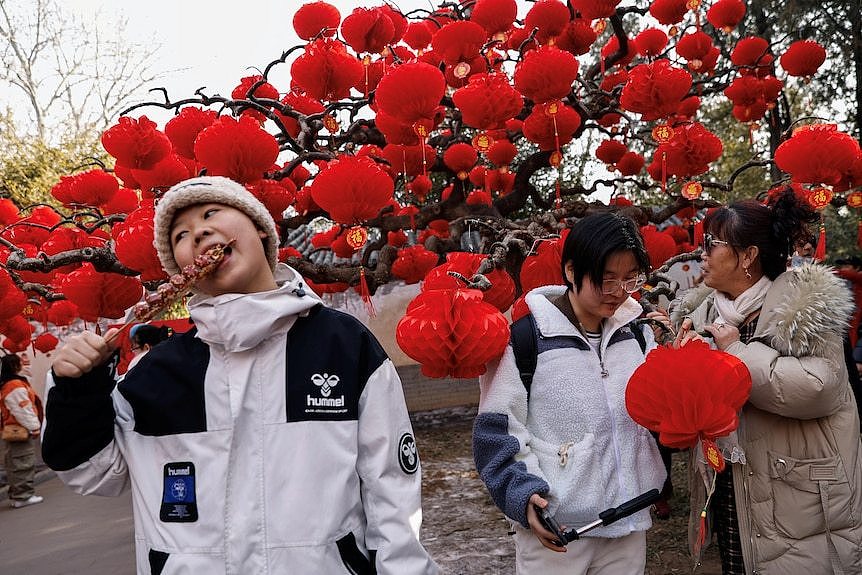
<point>606,517</point>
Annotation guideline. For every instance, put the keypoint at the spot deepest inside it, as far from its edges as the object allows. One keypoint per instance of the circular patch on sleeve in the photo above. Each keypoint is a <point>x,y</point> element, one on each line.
<point>408,457</point>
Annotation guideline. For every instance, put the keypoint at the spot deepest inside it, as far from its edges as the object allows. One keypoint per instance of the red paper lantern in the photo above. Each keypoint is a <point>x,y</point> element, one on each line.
<point>45,342</point>
<point>35,228</point>
<point>352,189</point>
<point>133,239</point>
<point>66,239</point>
<point>750,51</point>
<point>171,170</point>
<point>549,16</point>
<point>688,107</point>
<point>326,70</point>
<point>17,330</point>
<point>123,202</point>
<point>325,239</point>
<point>8,212</point>
<point>594,9</point>
<point>487,101</point>
<point>90,188</point>
<point>62,313</point>
<point>688,394</point>
<point>277,196</point>
<point>613,47</point>
<point>544,267</point>
<point>651,42</point>
<point>136,143</point>
<point>520,308</point>
<point>817,153</point>
<point>265,90</point>
<point>655,90</point>
<point>315,18</point>
<point>413,263</point>
<point>342,247</point>
<point>546,74</point>
<point>460,158</point>
<point>803,58</point>
<point>668,12</point>
<point>630,164</point>
<point>479,198</point>
<point>577,37</point>
<point>368,30</point>
<point>854,199</point>
<point>694,47</point>
<point>458,41</point>
<point>408,160</point>
<point>726,14</point>
<point>240,150</point>
<point>418,34</point>
<point>452,332</point>
<point>689,153</point>
<point>411,93</point>
<point>659,246</point>
<point>183,128</point>
<point>13,301</point>
<point>502,291</point>
<point>501,153</point>
<point>420,187</point>
<point>611,151</point>
<point>100,294</point>
<point>494,16</point>
<point>551,131</point>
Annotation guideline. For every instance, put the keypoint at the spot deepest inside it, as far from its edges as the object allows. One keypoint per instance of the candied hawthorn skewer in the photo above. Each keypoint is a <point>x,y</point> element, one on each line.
<point>177,286</point>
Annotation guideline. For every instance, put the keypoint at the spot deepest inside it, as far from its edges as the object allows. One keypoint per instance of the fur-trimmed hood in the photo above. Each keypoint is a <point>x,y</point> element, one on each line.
<point>802,306</point>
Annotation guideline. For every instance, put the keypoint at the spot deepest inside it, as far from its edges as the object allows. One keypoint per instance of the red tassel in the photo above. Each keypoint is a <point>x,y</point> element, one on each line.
<point>365,294</point>
<point>697,237</point>
<point>820,252</point>
<point>701,533</point>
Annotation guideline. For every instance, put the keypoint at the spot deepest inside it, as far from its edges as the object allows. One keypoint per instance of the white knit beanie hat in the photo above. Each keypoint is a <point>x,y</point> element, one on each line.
<point>205,190</point>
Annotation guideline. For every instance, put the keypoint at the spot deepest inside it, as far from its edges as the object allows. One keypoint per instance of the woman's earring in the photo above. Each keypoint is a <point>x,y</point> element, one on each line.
<point>747,273</point>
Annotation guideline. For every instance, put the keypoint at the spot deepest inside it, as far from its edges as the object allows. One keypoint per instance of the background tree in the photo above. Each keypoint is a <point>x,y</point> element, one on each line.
<point>459,132</point>
<point>73,78</point>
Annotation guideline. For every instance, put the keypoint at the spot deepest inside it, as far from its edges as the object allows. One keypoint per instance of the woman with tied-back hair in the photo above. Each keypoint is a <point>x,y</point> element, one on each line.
<point>790,498</point>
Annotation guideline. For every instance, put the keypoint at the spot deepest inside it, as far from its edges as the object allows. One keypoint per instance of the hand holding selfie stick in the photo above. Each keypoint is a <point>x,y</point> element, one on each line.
<point>606,517</point>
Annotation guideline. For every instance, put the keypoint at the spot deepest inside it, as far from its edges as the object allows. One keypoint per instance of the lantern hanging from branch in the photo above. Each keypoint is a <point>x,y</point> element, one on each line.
<point>352,189</point>
<point>452,332</point>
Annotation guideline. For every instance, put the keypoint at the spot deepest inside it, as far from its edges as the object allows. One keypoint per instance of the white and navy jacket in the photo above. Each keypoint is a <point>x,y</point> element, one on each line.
<point>570,437</point>
<point>274,438</point>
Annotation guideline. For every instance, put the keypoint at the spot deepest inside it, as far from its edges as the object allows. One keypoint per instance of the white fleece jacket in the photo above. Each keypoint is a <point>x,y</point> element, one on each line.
<point>572,438</point>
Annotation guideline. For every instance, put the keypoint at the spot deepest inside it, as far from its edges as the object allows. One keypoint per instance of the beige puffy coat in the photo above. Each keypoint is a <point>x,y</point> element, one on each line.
<point>799,494</point>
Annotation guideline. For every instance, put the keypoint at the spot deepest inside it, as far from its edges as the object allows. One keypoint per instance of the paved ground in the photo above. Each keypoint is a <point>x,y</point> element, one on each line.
<point>68,534</point>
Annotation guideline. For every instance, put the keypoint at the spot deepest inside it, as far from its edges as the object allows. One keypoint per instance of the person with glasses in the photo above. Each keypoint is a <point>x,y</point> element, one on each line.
<point>144,337</point>
<point>790,498</point>
<point>564,440</point>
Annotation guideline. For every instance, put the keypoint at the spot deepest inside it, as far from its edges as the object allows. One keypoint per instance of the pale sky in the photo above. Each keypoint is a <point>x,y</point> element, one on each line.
<point>214,43</point>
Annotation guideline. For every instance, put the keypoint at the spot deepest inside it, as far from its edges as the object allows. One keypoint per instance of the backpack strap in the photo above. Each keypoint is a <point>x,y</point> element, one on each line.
<point>526,349</point>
